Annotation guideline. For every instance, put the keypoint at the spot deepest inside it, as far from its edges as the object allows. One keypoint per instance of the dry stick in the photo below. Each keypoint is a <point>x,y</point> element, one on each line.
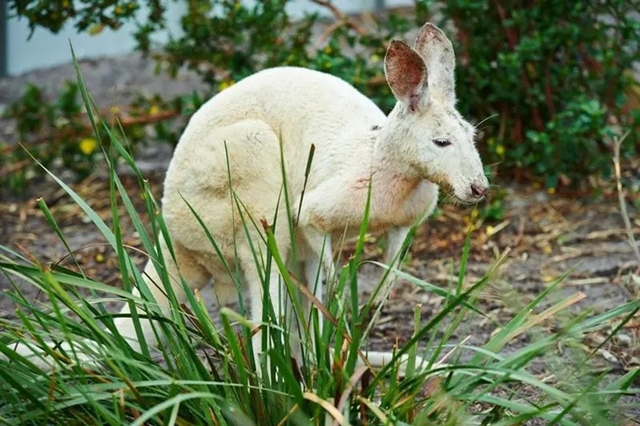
<point>623,205</point>
<point>125,120</point>
<point>11,168</point>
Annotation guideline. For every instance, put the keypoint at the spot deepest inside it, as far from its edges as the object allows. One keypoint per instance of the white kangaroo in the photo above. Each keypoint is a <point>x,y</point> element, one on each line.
<point>241,137</point>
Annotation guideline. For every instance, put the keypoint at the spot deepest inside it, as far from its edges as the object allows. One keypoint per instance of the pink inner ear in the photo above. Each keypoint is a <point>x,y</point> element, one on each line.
<point>406,73</point>
<point>414,73</point>
<point>414,81</point>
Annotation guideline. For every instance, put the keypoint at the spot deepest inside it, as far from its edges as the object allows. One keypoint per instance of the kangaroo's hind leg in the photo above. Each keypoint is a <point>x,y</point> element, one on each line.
<point>185,265</point>
<point>267,294</point>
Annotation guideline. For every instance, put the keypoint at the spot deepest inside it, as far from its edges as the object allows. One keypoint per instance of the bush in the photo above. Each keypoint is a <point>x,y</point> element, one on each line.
<point>549,81</point>
<point>554,74</point>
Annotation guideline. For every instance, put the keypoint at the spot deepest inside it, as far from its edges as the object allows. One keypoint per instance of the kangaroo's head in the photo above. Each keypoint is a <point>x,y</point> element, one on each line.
<point>425,131</point>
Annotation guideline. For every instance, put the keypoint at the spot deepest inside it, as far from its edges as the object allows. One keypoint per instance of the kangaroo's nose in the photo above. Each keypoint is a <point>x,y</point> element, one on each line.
<point>478,191</point>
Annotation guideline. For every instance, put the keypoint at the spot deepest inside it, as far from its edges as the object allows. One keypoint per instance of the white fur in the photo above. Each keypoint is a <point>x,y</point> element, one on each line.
<point>238,138</point>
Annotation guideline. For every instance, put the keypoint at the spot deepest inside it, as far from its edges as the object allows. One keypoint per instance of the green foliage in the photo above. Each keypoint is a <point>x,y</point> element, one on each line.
<point>550,82</point>
<point>92,16</point>
<point>556,76</point>
<point>493,210</point>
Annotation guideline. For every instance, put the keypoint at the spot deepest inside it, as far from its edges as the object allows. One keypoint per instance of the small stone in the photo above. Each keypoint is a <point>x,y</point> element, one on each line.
<point>633,361</point>
<point>597,339</point>
<point>607,355</point>
<point>622,339</point>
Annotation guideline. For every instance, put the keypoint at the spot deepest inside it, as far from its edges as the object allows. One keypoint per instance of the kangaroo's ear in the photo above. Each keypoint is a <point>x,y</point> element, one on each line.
<point>406,74</point>
<point>437,51</point>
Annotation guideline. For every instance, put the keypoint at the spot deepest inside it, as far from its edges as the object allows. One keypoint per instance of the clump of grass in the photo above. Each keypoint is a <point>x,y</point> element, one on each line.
<point>458,384</point>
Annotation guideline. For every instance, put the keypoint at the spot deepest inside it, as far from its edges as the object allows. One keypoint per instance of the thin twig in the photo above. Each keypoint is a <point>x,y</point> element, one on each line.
<point>326,33</point>
<point>617,142</point>
<point>340,16</point>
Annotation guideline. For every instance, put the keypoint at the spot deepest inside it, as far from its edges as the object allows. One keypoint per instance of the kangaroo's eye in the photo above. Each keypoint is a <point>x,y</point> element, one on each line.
<point>442,142</point>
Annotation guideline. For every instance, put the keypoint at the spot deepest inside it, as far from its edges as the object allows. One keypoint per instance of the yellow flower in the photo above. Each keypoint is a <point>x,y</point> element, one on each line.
<point>96,29</point>
<point>490,229</point>
<point>88,146</point>
<point>224,84</point>
<point>327,50</point>
<point>531,70</point>
<point>115,110</point>
<point>500,150</point>
<point>551,191</point>
<point>154,109</point>
<point>375,58</point>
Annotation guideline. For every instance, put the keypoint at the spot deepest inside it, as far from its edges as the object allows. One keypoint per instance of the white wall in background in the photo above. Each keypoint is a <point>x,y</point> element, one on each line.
<point>299,7</point>
<point>45,49</point>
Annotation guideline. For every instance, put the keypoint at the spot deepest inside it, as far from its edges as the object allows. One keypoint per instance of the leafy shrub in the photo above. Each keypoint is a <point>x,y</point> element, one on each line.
<point>554,74</point>
<point>549,81</point>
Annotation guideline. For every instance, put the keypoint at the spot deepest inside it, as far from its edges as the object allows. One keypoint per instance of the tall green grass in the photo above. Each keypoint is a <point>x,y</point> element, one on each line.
<point>204,374</point>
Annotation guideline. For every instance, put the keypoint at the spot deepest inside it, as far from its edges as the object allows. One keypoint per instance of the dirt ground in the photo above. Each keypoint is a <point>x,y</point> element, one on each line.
<point>540,237</point>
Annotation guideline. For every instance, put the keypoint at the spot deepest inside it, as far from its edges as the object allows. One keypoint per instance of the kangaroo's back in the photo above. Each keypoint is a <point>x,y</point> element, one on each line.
<point>293,98</point>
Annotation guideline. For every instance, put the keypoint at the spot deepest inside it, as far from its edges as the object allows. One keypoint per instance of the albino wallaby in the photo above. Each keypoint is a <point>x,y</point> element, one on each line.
<point>243,137</point>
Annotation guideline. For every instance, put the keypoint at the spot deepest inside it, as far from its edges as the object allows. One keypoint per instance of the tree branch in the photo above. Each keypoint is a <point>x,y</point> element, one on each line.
<point>63,134</point>
<point>341,17</point>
